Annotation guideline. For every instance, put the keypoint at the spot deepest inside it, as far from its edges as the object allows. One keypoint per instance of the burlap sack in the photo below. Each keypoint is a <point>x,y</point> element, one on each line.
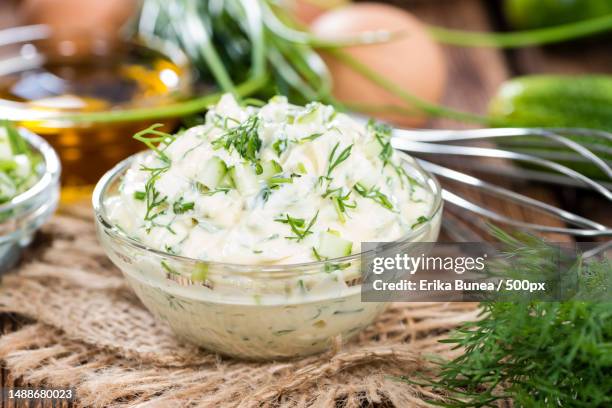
<point>89,332</point>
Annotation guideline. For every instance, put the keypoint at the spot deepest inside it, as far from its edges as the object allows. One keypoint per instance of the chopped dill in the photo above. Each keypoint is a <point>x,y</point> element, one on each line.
<point>153,138</point>
<point>374,193</point>
<point>382,134</point>
<point>204,190</point>
<point>340,201</point>
<point>180,207</point>
<point>168,269</point>
<point>332,267</point>
<point>156,203</point>
<point>310,138</point>
<point>280,146</point>
<point>316,254</point>
<point>334,161</point>
<point>298,226</point>
<point>244,138</point>
<point>421,220</point>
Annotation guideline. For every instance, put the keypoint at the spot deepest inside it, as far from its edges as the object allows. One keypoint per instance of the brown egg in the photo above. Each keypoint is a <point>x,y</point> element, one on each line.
<point>100,16</point>
<point>413,60</point>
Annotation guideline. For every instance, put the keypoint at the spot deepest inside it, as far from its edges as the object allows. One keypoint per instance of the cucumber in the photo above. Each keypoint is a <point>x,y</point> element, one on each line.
<point>372,148</point>
<point>270,168</point>
<point>7,188</point>
<point>332,245</point>
<point>214,171</point>
<point>526,14</point>
<point>311,114</point>
<point>556,101</point>
<point>244,178</point>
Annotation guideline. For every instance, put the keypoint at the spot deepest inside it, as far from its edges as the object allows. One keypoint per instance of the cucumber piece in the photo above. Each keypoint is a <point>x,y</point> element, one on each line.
<point>270,168</point>
<point>301,169</point>
<point>7,188</point>
<point>244,178</point>
<point>6,153</point>
<point>332,245</point>
<point>214,171</point>
<point>310,115</point>
<point>372,148</point>
<point>200,273</point>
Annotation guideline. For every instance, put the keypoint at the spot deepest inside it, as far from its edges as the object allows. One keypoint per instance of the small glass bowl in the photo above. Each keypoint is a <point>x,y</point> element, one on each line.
<point>259,312</point>
<point>24,214</point>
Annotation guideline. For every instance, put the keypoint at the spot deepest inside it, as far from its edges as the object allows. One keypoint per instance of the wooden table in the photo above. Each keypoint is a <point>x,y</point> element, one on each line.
<point>474,75</point>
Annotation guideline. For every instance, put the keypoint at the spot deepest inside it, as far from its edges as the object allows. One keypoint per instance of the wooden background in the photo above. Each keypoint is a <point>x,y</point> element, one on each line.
<point>474,75</point>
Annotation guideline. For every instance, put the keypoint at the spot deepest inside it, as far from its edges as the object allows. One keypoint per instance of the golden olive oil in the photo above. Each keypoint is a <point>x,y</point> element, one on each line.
<point>72,80</point>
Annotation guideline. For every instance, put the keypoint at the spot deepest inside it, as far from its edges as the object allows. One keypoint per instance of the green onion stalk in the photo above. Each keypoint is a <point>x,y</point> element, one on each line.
<point>252,48</point>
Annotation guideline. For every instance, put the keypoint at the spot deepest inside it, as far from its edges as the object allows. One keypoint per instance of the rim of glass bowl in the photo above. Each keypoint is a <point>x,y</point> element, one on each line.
<point>31,33</point>
<point>114,174</point>
<point>48,180</point>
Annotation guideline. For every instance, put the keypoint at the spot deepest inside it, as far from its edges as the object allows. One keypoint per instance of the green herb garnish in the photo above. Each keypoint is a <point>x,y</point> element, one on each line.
<point>536,353</point>
<point>374,193</point>
<point>298,226</point>
<point>421,220</point>
<point>17,164</point>
<point>139,195</point>
<point>340,201</point>
<point>336,161</point>
<point>168,269</point>
<point>157,139</point>
<point>181,207</point>
<point>156,203</point>
<point>204,190</point>
<point>244,138</point>
<point>280,146</point>
<point>310,138</point>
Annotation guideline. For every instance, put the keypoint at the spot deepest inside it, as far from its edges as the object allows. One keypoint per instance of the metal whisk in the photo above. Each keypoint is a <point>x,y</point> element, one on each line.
<point>443,142</point>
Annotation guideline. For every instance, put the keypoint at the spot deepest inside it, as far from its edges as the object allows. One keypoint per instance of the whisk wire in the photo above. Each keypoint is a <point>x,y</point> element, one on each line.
<point>428,141</point>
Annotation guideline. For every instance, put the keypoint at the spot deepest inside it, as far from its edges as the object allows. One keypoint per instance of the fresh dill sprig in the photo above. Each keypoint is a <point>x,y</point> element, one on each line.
<point>156,203</point>
<point>340,201</point>
<point>244,138</point>
<point>310,138</point>
<point>181,207</point>
<point>382,134</point>
<point>374,193</point>
<point>169,269</point>
<point>157,139</point>
<point>280,146</point>
<point>334,161</point>
<point>204,190</point>
<point>329,266</point>
<point>536,353</point>
<point>421,220</point>
<point>298,226</point>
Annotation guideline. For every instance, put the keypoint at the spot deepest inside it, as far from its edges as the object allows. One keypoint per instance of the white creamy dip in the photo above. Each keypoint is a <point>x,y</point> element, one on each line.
<point>280,184</point>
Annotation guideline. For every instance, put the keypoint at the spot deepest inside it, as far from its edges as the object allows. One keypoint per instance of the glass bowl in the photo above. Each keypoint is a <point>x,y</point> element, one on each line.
<point>257,312</point>
<point>72,87</point>
<point>25,213</point>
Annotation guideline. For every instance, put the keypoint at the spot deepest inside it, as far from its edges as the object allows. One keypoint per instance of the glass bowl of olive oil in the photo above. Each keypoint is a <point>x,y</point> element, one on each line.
<point>50,81</point>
